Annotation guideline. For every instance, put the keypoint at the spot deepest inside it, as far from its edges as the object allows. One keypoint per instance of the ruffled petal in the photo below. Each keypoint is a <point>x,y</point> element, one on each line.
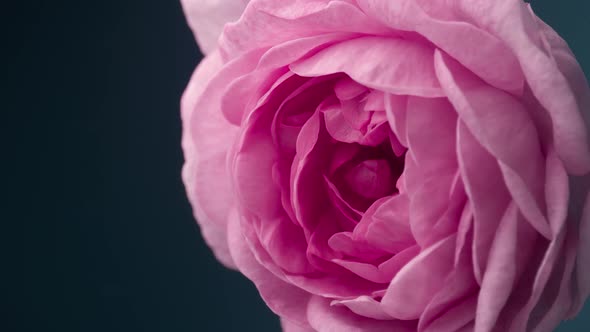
<point>291,20</point>
<point>468,44</point>
<point>513,22</point>
<point>502,125</point>
<point>205,141</point>
<point>388,64</point>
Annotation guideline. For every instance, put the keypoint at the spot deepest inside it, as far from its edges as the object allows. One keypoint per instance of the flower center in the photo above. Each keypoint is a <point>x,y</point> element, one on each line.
<point>365,174</point>
<point>371,179</point>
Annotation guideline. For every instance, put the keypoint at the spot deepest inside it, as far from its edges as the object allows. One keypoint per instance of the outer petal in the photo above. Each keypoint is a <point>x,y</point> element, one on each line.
<point>205,139</point>
<point>502,125</point>
<point>513,22</point>
<point>282,298</point>
<point>470,45</point>
<point>291,20</point>
<point>208,17</point>
<point>324,317</point>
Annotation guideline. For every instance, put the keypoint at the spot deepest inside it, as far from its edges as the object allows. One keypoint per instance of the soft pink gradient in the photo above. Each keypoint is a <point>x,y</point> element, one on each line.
<point>409,165</point>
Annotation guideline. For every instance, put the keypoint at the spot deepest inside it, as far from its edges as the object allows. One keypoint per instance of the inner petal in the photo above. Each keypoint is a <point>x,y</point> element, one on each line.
<point>371,179</point>
<point>370,174</point>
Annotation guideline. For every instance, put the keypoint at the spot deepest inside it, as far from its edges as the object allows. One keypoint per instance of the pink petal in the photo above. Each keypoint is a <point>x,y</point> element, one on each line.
<point>243,95</point>
<point>291,20</point>
<point>348,89</point>
<point>428,205</point>
<point>289,51</point>
<point>384,272</point>
<point>205,144</point>
<point>286,245</point>
<point>350,213</point>
<point>541,277</point>
<point>455,318</point>
<point>364,306</point>
<point>207,18</point>
<point>324,317</point>
<point>376,102</point>
<point>387,64</point>
<point>556,191</point>
<point>344,243</point>
<point>396,111</point>
<point>500,274</point>
<point>253,165</point>
<point>282,298</point>
<point>306,203</point>
<point>385,224</point>
<point>465,226</point>
<point>416,283</point>
<point>449,302</point>
<point>471,46</point>
<point>502,125</point>
<point>486,192</point>
<point>431,124</point>
<point>512,22</point>
<point>561,285</point>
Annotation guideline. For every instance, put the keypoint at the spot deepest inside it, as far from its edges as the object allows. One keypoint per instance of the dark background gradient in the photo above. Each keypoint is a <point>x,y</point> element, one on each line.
<point>109,241</point>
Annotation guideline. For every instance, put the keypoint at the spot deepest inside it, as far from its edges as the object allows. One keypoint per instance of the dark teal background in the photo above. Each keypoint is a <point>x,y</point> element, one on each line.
<point>109,243</point>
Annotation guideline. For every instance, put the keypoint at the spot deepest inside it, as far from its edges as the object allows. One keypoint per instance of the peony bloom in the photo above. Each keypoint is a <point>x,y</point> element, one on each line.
<point>377,165</point>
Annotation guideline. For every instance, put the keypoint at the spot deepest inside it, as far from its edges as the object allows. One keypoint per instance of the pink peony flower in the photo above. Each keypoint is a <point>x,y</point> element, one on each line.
<point>376,165</point>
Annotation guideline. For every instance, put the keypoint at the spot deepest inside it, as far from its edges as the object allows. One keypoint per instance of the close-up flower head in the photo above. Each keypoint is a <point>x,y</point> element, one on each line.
<point>392,165</point>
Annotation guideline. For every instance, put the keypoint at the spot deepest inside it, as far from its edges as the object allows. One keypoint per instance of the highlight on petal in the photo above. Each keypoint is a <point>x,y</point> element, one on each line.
<point>365,306</point>
<point>324,317</point>
<point>208,17</point>
<point>500,274</point>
